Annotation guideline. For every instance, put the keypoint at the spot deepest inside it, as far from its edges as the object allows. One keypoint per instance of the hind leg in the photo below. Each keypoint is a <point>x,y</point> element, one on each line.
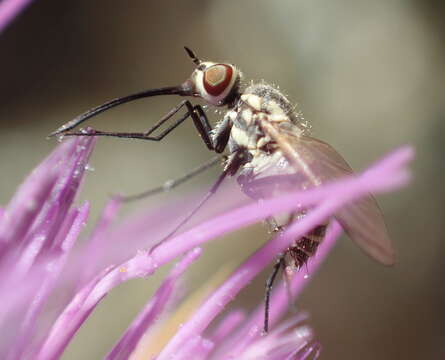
<point>269,284</point>
<point>294,258</point>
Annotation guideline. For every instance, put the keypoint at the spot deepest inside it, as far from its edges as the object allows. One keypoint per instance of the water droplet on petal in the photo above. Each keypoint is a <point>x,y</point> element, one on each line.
<point>88,167</point>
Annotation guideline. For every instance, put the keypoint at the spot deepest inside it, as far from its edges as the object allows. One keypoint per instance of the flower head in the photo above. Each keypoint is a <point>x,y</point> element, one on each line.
<point>39,229</point>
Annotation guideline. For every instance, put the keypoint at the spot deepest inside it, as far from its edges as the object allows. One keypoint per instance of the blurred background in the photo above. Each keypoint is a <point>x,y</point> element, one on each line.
<point>369,76</point>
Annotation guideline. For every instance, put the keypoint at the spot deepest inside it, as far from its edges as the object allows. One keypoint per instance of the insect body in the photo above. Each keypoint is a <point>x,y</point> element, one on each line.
<point>266,171</point>
<point>269,149</point>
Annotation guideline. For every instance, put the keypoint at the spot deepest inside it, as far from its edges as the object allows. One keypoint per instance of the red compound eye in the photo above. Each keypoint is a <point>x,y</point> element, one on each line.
<point>217,78</point>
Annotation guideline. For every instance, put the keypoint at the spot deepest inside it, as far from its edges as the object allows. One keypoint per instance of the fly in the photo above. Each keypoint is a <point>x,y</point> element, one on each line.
<point>270,150</point>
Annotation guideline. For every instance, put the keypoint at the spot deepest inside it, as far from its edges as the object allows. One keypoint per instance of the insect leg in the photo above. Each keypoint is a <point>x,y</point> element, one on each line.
<point>269,284</point>
<point>170,90</point>
<point>202,125</point>
<point>222,134</point>
<point>172,183</point>
<point>196,113</point>
<point>143,135</point>
<point>233,163</point>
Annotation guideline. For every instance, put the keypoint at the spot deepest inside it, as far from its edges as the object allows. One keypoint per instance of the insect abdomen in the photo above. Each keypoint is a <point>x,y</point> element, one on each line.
<point>305,247</point>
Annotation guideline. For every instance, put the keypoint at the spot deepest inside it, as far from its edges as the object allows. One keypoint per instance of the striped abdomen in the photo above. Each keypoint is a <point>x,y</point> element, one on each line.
<point>299,253</point>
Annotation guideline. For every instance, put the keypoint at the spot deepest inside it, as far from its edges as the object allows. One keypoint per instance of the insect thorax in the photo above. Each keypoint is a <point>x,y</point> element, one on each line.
<point>272,100</point>
<point>260,101</point>
<point>263,102</point>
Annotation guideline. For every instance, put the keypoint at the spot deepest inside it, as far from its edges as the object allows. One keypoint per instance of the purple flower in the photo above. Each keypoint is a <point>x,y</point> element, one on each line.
<point>37,232</point>
<point>41,267</point>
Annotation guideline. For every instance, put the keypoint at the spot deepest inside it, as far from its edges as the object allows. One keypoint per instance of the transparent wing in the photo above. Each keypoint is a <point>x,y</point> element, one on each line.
<point>318,162</point>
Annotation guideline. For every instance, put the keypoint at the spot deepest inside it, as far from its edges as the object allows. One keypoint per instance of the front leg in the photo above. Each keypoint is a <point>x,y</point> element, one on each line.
<point>195,112</point>
<point>215,139</point>
<point>221,134</point>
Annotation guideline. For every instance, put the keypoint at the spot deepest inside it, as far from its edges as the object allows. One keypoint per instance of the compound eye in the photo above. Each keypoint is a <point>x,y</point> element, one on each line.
<point>217,78</point>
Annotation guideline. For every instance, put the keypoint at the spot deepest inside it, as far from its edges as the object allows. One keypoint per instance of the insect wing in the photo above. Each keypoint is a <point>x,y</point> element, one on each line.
<point>362,220</point>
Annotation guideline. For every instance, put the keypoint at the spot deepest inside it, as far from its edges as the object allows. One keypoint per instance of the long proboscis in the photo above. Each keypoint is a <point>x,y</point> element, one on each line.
<point>171,90</point>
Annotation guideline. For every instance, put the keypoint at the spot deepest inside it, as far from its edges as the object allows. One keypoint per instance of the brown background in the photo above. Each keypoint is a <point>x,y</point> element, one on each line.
<point>368,75</point>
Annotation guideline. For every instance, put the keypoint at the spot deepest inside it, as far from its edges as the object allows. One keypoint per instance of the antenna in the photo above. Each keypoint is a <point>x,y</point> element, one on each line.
<point>192,56</point>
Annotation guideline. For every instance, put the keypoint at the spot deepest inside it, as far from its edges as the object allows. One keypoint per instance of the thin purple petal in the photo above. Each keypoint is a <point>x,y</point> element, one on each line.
<point>87,299</point>
<point>46,194</point>
<point>31,196</point>
<point>44,234</point>
<point>93,252</point>
<point>152,311</point>
<point>114,243</point>
<point>311,351</point>
<point>197,348</point>
<point>228,324</point>
<point>280,343</point>
<point>55,344</point>
<point>74,225</point>
<point>10,9</point>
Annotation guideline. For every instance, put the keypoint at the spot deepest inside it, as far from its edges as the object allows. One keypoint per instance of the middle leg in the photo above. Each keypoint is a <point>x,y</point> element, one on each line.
<point>233,164</point>
<point>173,183</point>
